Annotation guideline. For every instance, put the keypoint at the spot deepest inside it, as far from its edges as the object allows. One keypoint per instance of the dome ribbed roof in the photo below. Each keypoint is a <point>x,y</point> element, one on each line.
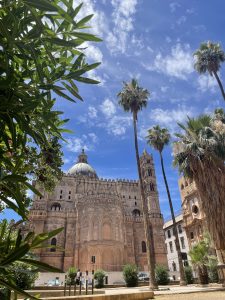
<point>82,167</point>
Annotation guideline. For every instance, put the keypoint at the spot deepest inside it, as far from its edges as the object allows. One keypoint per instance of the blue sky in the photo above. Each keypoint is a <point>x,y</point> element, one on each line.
<point>153,41</point>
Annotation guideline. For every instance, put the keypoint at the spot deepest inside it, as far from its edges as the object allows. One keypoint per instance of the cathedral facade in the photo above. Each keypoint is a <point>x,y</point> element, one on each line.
<point>101,218</point>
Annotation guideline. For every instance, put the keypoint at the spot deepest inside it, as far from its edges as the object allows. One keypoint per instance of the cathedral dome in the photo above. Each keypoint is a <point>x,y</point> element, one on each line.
<point>82,167</point>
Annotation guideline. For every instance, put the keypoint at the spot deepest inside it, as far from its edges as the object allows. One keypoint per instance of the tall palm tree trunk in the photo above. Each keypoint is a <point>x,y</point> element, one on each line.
<point>147,223</point>
<point>177,244</point>
<point>219,83</point>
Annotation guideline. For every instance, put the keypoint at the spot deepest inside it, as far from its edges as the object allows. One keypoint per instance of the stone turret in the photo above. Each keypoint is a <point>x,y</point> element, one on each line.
<point>155,216</point>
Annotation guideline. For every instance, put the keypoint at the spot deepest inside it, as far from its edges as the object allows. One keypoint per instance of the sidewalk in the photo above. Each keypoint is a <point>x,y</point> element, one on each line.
<point>166,290</point>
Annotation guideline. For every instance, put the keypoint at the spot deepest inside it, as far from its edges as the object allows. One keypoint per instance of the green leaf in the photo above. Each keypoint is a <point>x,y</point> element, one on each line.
<point>39,239</point>
<point>43,5</point>
<point>86,36</point>
<point>16,255</point>
<point>84,21</point>
<point>11,286</point>
<point>40,265</point>
<point>72,91</point>
<point>87,80</point>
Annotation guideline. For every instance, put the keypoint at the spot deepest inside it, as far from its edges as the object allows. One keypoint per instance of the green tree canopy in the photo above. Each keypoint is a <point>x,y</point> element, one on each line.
<point>199,154</point>
<point>41,56</point>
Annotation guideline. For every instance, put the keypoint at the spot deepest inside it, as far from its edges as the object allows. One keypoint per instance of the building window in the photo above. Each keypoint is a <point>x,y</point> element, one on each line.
<point>69,197</point>
<point>123,196</point>
<point>61,192</point>
<point>143,247</point>
<point>129,197</point>
<point>136,213</point>
<point>135,203</point>
<point>152,188</point>
<point>93,259</point>
<point>174,266</point>
<point>192,235</point>
<point>53,243</point>
<point>56,207</point>
<point>148,161</point>
<point>40,197</point>
<point>186,263</point>
<point>179,228</point>
<point>169,234</point>
<point>60,197</point>
<point>135,197</point>
<point>171,247</point>
<point>69,192</point>
<point>182,242</point>
<point>195,209</point>
<point>149,172</point>
<point>182,186</point>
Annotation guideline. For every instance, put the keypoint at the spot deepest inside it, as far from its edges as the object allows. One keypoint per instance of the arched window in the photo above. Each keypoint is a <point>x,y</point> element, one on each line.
<point>152,188</point>
<point>53,243</point>
<point>56,207</point>
<point>149,172</point>
<point>136,213</point>
<point>143,247</point>
<point>174,266</point>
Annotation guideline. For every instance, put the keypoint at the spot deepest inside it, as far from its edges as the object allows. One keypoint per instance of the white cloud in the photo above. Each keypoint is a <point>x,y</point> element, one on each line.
<point>93,137</point>
<point>179,63</point>
<point>118,125</point>
<point>122,16</point>
<point>164,88</point>
<point>86,142</point>
<point>92,112</point>
<point>206,83</point>
<point>170,117</point>
<point>98,22</point>
<point>93,52</point>
<point>174,6</point>
<point>181,20</point>
<point>108,108</point>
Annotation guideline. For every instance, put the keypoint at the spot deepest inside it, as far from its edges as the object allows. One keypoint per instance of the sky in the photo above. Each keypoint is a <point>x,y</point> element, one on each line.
<point>152,41</point>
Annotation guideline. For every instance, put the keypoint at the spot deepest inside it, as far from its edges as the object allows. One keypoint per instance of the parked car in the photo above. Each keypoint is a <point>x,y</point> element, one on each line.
<point>143,277</point>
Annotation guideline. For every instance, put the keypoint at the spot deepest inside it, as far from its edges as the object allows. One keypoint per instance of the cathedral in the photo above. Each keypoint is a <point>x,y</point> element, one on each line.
<point>102,219</point>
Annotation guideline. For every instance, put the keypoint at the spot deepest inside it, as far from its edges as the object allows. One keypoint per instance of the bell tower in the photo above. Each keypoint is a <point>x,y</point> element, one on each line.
<point>155,216</point>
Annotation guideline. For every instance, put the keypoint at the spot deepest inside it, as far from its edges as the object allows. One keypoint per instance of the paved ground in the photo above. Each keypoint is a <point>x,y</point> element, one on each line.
<point>215,295</point>
<point>194,290</point>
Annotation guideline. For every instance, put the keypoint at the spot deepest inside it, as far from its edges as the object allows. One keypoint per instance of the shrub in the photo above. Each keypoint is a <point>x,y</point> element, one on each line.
<point>130,275</point>
<point>162,275</point>
<point>188,275</point>
<point>99,276</point>
<point>23,275</point>
<point>212,269</point>
<point>71,275</point>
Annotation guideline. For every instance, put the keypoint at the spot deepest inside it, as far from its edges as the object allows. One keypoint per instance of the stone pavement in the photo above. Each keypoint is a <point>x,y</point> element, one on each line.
<point>163,290</point>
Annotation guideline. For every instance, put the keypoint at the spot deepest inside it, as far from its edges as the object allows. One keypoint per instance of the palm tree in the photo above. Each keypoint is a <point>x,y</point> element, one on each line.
<point>199,155</point>
<point>208,59</point>
<point>199,255</point>
<point>158,138</point>
<point>133,98</point>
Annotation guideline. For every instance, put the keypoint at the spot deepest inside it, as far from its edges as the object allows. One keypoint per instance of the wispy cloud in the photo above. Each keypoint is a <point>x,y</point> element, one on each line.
<point>206,83</point>
<point>86,142</point>
<point>179,63</point>
<point>123,18</point>
<point>108,108</point>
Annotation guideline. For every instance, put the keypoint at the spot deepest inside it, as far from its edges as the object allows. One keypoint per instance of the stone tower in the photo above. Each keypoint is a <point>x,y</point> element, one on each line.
<point>155,216</point>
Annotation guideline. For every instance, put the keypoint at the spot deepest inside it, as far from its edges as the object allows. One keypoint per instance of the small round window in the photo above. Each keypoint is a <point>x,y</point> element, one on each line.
<point>195,209</point>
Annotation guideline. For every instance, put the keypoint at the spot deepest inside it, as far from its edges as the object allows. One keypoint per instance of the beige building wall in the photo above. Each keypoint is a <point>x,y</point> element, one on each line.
<point>193,216</point>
